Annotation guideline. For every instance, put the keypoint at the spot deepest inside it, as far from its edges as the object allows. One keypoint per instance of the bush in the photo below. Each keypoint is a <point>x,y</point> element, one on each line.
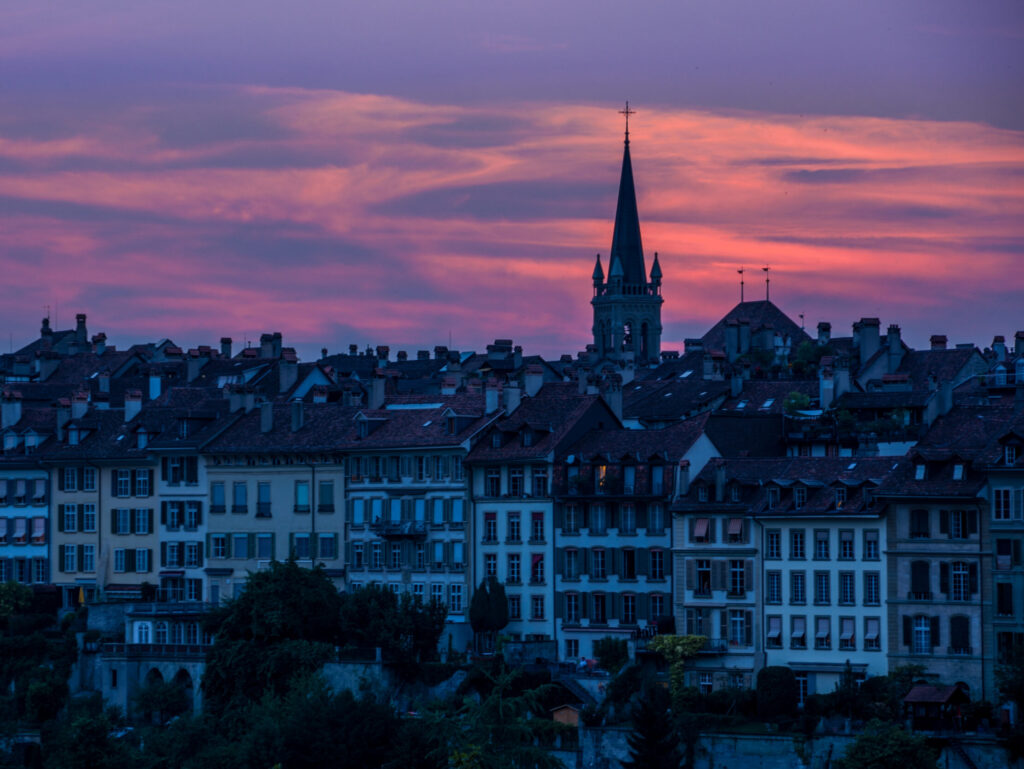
<point>612,654</point>
<point>778,694</point>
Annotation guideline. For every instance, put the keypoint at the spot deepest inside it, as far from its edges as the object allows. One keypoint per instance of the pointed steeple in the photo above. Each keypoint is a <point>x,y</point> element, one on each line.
<point>627,248</point>
<point>598,270</point>
<point>655,269</point>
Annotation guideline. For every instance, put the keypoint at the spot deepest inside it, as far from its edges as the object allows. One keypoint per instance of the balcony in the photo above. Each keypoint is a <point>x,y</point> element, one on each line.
<point>150,651</point>
<point>714,646</point>
<point>917,595</point>
<point>400,529</point>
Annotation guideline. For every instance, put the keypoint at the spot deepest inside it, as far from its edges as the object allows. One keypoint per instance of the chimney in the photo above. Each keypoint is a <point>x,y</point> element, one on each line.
<point>376,393</point>
<point>266,345</point>
<point>693,345</point>
<point>266,417</point>
<point>403,356</point>
<point>103,380</point>
<point>79,404</point>
<point>612,394</point>
<point>736,384</point>
<point>297,415</point>
<point>841,378</point>
<point>287,375</point>
<point>11,409</point>
<point>512,396</point>
<point>720,482</point>
<point>492,394</point>
<point>533,379</point>
<point>824,333</point>
<point>868,331</point>
<point>826,383</point>
<point>276,345</point>
<point>423,355</point>
<point>440,352</point>
<point>383,351</point>
<point>81,335</point>
<point>938,341</point>
<point>682,478</point>
<point>709,366</point>
<point>225,347</point>
<point>744,337</point>
<point>895,348</point>
<point>449,385</point>
<point>45,332</point>
<point>63,416</point>
<point>999,348</point>
<point>1018,343</point>
<point>946,393</point>
<point>248,400</point>
<point>132,404</point>
<point>99,343</point>
<point>154,384</point>
<point>732,340</point>
<point>193,367</point>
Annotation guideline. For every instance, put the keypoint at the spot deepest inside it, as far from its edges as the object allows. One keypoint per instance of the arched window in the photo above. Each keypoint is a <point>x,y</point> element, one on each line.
<point>176,633</point>
<point>192,633</point>
<point>142,633</point>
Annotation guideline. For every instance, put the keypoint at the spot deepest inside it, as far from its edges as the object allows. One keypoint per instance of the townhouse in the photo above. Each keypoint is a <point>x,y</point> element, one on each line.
<point>1004,469</point>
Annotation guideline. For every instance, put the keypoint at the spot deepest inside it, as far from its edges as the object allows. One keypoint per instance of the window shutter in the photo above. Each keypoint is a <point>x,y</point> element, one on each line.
<point>163,554</point>
<point>614,601</point>
<point>81,477</point>
<point>667,559</point>
<point>723,624</point>
<point>643,556</point>
<point>973,574</point>
<point>60,558</point>
<point>559,605</point>
<point>113,483</point>
<point>113,521</point>
<point>584,605</point>
<point>81,557</point>
<point>944,522</point>
<point>191,470</point>
<point>718,575</point>
<point>935,631</point>
<point>250,545</point>
<point>129,559</point>
<point>748,575</point>
<point>350,510</point>
<point>583,559</point>
<point>208,546</point>
<point>348,553</point>
<point>60,478</point>
<point>60,518</point>
<point>557,518</point>
<point>291,545</point>
<point>1016,551</point>
<point>907,630</point>
<point>163,513</point>
<point>944,578</point>
<point>149,517</point>
<point>273,550</point>
<point>749,627</point>
<point>691,573</point>
<point>132,524</point>
<point>149,485</point>
<point>972,521</point>
<point>199,553</point>
<point>164,476</point>
<point>149,559</point>
<point>614,560</point>
<point>199,513</point>
<point>134,481</point>
<point>641,517</point>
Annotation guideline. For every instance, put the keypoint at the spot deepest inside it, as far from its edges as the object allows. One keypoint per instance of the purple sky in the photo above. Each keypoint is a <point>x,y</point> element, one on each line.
<point>391,172</point>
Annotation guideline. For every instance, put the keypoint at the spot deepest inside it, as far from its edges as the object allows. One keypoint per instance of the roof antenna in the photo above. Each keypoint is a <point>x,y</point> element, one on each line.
<point>801,321</point>
<point>767,282</point>
<point>627,112</point>
<point>741,271</point>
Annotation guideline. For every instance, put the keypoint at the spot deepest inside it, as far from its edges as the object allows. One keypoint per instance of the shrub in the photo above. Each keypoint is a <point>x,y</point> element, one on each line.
<point>612,653</point>
<point>778,694</point>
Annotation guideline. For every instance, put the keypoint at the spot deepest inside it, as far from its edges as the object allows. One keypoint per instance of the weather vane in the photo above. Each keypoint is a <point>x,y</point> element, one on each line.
<point>741,271</point>
<point>627,112</point>
<point>767,281</point>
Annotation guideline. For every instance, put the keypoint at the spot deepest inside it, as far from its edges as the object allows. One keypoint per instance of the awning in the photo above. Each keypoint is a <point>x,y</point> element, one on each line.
<point>20,488</point>
<point>735,527</point>
<point>3,488</point>
<point>774,627</point>
<point>20,531</point>
<point>872,632</point>
<point>38,531</point>
<point>3,531</point>
<point>700,530</point>
<point>40,493</point>
<point>799,627</point>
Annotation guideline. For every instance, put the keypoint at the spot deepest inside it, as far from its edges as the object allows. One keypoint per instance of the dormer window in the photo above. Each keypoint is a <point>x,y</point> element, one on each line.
<point>364,429</point>
<point>73,436</point>
<point>527,438</point>
<point>183,428</point>
<point>702,493</point>
<point>142,439</point>
<point>450,425</point>
<point>1010,455</point>
<point>496,440</point>
<point>734,493</point>
<point>958,472</point>
<point>799,496</point>
<point>840,498</point>
<point>773,497</point>
<point>919,472</point>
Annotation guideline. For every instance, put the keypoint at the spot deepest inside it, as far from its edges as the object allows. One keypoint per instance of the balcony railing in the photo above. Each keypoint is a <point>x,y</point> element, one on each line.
<point>714,646</point>
<point>143,651</point>
<point>401,529</point>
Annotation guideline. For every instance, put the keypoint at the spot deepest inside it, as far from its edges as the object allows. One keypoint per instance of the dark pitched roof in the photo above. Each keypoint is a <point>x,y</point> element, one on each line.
<point>325,427</point>
<point>760,315</point>
<point>669,400</point>
<point>761,396</point>
<point>747,435</point>
<point>671,442</point>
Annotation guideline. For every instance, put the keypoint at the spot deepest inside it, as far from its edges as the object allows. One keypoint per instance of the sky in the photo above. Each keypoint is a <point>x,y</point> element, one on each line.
<point>422,173</point>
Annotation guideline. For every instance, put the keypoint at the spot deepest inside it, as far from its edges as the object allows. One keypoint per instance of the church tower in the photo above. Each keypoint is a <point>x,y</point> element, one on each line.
<point>627,306</point>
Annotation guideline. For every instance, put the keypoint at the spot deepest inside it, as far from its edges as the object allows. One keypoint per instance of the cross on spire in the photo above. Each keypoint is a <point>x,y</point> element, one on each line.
<point>627,112</point>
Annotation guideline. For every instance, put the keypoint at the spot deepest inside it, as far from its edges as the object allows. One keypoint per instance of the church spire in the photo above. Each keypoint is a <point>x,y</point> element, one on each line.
<point>627,248</point>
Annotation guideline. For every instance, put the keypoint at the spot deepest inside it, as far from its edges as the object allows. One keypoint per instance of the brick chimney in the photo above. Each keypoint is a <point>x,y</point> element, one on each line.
<point>938,341</point>
<point>225,347</point>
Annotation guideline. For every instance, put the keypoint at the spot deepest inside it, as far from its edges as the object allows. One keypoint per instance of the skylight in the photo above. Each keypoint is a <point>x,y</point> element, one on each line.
<point>686,374</point>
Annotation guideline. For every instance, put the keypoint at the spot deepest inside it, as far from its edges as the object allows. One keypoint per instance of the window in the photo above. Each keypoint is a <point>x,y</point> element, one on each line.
<point>1004,599</point>
<point>142,483</point>
<point>515,607</point>
<point>421,555</point>
<point>734,493</point>
<point>703,576</point>
<point>123,518</point>
<point>536,607</point>
<point>872,589</point>
<point>70,558</point>
<point>492,487</point>
<point>88,557</point>
<point>491,565</point>
<point>141,560</point>
<point>302,548</point>
<point>192,515</point>
<point>515,482</point>
<point>773,636</point>
<point>457,469</point>
<point>119,560</point>
<point>627,563</point>
<point>773,544</point>
<point>537,569</point>
<point>455,599</point>
<point>847,593</point>
<point>514,568</point>
<point>798,633</point>
<point>537,527</point>
<point>572,608</point>
<point>217,503</point>
<point>570,519</point>
<point>737,627</point>
<point>598,520</point>
<point>657,605</point>
<point>872,634</point>
<point>736,531</point>
<point>240,546</point>
<point>823,633</point>
<point>627,519</point>
<point>706,683</point>
<point>437,512</point>
<point>797,587</point>
<point>192,555</point>
<point>600,614</point>
<point>437,594</point>
<point>919,524</point>
<point>655,519</point>
<point>960,635</point>
<point>457,512</point>
<point>958,472</point>
<point>702,530</point>
<point>395,556</point>
<point>628,609</point>
<point>122,483</point>
<point>395,510</point>
<point>919,472</point>
<point>514,527</point>
<point>1010,455</point>
<point>773,497</point>
<point>174,515</point>
<point>598,568</point>
<point>70,479</point>
<point>490,527</point>
<point>657,480</point>
<point>821,545</point>
<point>961,581</point>
<point>628,479</point>
<point>840,496</point>
<point>377,555</point>
<point>302,497</point>
<point>799,496</point>
<point>600,478</point>
<point>822,589</point>
<point>240,503</point>
<point>847,634</point>
<point>325,501</point>
<point>871,552</point>
<point>737,573</point>
<point>70,517</point>
<point>796,545</point>
<point>846,546</point>
<point>417,591</point>
<point>922,640</point>
<point>89,479</point>
<point>571,568</point>
<point>773,587</point>
<point>657,565</point>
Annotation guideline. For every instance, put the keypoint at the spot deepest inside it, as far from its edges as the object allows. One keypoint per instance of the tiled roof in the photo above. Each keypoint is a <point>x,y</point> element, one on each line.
<point>671,442</point>
<point>747,435</point>
<point>325,427</point>
<point>761,396</point>
<point>759,314</point>
<point>661,401</point>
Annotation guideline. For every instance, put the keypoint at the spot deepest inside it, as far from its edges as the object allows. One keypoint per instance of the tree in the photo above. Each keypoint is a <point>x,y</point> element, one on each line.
<point>488,611</point>
<point>778,694</point>
<point>612,653</point>
<point>163,699</point>
<point>15,598</point>
<point>89,735</point>
<point>653,743</point>
<point>796,401</point>
<point>677,649</point>
<point>887,746</point>
<point>404,628</point>
<point>1010,676</point>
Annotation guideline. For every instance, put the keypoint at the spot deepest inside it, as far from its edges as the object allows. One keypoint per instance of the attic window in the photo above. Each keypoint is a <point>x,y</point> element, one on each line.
<point>840,498</point>
<point>702,493</point>
<point>958,472</point>
<point>450,425</point>
<point>773,497</point>
<point>741,405</point>
<point>527,438</point>
<point>800,496</point>
<point>768,403</point>
<point>1010,455</point>
<point>183,428</point>
<point>142,439</point>
<point>496,440</point>
<point>734,493</point>
<point>73,436</point>
<point>919,472</point>
<point>364,429</point>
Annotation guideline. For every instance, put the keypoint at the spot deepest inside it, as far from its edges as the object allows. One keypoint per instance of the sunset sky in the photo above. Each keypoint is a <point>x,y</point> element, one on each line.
<point>401,172</point>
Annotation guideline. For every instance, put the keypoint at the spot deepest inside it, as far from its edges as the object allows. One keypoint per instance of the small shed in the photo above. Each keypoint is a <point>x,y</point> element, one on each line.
<point>566,714</point>
<point>935,708</point>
